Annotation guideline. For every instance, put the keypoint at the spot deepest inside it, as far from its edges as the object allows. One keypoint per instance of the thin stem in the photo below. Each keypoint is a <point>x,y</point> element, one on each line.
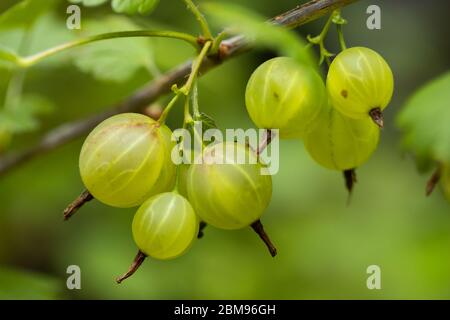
<point>186,89</point>
<point>195,105</point>
<point>140,257</point>
<point>187,114</point>
<point>200,18</point>
<point>326,28</point>
<point>195,69</point>
<point>169,107</point>
<point>31,60</point>
<point>341,37</point>
<point>319,40</point>
<point>218,40</point>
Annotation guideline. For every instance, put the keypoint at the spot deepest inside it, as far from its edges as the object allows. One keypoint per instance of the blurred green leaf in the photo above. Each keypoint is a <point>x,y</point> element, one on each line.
<point>23,117</point>
<point>425,121</point>
<point>20,284</point>
<point>130,7</point>
<point>24,14</point>
<point>134,6</point>
<point>249,23</point>
<point>89,3</point>
<point>8,55</point>
<point>114,60</point>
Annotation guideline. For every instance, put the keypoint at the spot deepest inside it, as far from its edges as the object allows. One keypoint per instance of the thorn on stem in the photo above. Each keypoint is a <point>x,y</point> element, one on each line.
<point>140,257</point>
<point>433,181</point>
<point>259,229</point>
<point>350,180</point>
<point>377,116</point>
<point>77,204</point>
<point>200,229</point>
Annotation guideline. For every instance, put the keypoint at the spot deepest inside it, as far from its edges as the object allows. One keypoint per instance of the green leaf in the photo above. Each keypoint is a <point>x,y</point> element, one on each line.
<point>23,116</point>
<point>8,55</point>
<point>134,6</point>
<point>24,14</point>
<point>89,3</point>
<point>114,60</point>
<point>21,284</point>
<point>244,21</point>
<point>130,7</point>
<point>425,121</point>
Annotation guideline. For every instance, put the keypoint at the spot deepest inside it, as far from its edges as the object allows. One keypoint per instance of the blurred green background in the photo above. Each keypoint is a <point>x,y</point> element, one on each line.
<point>324,245</point>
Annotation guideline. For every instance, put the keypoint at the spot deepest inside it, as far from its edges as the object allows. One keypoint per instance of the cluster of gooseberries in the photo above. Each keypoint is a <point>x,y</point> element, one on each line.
<point>126,160</point>
<point>339,122</point>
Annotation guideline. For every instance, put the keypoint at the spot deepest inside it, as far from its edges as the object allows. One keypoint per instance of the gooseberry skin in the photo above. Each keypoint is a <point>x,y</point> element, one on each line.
<point>165,226</point>
<point>358,81</point>
<point>286,95</point>
<point>229,195</point>
<point>340,143</point>
<point>122,159</point>
<point>167,176</point>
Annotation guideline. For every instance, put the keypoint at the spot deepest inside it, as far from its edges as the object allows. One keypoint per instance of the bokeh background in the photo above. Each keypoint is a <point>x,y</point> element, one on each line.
<point>324,245</point>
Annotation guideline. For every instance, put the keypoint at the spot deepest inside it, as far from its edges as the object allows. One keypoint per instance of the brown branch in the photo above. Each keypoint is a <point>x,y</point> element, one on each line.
<point>142,98</point>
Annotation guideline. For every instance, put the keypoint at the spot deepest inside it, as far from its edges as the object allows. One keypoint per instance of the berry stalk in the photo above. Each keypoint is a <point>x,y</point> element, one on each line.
<point>259,229</point>
<point>84,197</point>
<point>138,260</point>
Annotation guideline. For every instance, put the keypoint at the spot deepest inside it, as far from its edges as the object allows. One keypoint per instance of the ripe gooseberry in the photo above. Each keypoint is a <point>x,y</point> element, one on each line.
<point>286,95</point>
<point>227,189</point>
<point>125,160</point>
<point>164,227</point>
<point>360,83</point>
<point>340,143</point>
